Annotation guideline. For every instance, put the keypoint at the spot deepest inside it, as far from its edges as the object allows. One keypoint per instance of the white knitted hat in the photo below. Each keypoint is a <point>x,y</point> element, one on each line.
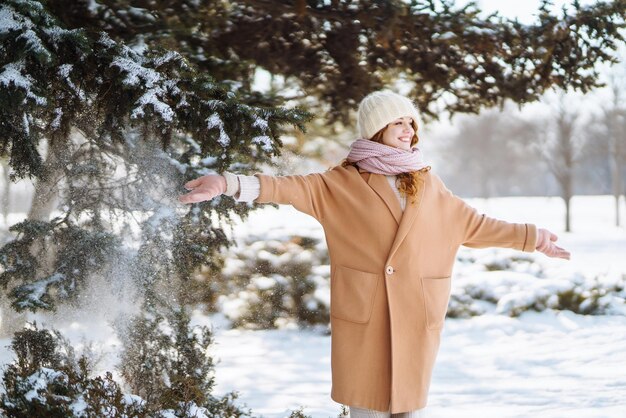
<point>380,108</point>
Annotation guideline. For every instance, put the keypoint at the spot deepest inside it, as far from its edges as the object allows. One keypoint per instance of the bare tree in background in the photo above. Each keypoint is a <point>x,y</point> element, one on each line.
<point>559,142</point>
<point>614,117</point>
<point>487,157</point>
<point>5,200</point>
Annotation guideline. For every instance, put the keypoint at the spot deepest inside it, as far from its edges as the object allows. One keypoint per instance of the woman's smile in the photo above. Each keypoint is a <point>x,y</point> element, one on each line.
<point>399,133</point>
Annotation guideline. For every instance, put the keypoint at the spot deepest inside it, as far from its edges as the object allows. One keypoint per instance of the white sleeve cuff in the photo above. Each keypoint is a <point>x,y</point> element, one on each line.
<point>232,183</point>
<point>249,188</point>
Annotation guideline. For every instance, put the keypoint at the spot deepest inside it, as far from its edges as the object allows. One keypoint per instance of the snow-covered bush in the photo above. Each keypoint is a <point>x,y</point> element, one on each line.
<point>164,360</point>
<point>507,283</point>
<point>47,379</point>
<point>276,283</point>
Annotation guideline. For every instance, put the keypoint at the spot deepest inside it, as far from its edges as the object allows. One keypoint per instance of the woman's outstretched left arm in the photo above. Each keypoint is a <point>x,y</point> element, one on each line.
<point>481,231</point>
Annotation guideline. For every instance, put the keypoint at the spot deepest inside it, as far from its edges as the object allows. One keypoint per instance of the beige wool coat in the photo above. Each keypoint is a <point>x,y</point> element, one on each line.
<point>390,275</point>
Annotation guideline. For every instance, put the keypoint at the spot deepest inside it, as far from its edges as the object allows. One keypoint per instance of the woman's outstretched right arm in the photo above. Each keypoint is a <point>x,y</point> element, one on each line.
<point>302,192</point>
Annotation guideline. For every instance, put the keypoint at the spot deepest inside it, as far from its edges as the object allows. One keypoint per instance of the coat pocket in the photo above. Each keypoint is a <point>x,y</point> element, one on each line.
<point>436,293</point>
<point>352,294</point>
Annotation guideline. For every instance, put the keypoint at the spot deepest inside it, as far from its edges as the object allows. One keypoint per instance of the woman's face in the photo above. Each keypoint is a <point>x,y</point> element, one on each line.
<point>399,133</point>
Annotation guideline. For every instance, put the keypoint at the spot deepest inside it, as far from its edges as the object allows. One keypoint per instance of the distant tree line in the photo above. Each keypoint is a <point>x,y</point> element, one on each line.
<point>570,148</point>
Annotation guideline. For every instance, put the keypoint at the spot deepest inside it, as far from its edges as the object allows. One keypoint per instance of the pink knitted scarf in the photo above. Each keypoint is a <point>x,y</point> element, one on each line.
<point>383,159</point>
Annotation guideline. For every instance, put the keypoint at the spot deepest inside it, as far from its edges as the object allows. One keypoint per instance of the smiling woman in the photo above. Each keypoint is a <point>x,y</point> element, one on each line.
<point>399,133</point>
<point>390,258</point>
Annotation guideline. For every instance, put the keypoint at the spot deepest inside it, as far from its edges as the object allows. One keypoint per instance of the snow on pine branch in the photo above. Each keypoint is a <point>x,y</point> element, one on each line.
<point>64,71</point>
<point>11,75</point>
<point>136,74</point>
<point>260,123</point>
<point>264,140</point>
<point>30,296</point>
<point>43,38</point>
<point>213,122</point>
<point>151,97</point>
<point>11,21</point>
<point>170,56</point>
<point>157,87</point>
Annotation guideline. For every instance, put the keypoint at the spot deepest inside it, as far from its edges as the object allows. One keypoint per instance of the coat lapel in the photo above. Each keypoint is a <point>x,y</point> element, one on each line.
<point>409,215</point>
<point>381,186</point>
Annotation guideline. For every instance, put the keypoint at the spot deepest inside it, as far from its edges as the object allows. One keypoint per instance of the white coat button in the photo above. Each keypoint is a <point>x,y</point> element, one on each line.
<point>389,270</point>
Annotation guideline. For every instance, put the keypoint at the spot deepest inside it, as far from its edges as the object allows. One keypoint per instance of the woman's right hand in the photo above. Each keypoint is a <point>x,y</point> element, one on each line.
<point>203,188</point>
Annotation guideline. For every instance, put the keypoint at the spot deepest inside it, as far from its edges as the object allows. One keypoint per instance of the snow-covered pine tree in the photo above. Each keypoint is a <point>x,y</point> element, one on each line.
<point>123,128</point>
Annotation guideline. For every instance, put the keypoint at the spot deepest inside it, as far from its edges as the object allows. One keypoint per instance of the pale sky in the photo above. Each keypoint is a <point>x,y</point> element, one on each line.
<point>524,10</point>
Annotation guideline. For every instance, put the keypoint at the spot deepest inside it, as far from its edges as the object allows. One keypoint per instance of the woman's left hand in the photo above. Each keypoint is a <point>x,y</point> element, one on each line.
<point>546,245</point>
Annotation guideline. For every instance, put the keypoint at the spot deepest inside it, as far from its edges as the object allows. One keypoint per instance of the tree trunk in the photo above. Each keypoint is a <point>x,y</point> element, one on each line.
<point>10,321</point>
<point>46,190</point>
<point>6,196</point>
<point>616,169</point>
<point>615,153</point>
<point>617,219</point>
<point>568,201</point>
<point>567,189</point>
<point>43,203</point>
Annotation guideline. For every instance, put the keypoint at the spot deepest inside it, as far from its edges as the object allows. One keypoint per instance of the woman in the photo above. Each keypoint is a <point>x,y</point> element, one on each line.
<point>393,230</point>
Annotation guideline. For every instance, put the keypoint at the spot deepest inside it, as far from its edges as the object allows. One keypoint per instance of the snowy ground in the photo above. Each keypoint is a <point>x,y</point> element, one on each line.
<point>548,364</point>
<point>544,365</point>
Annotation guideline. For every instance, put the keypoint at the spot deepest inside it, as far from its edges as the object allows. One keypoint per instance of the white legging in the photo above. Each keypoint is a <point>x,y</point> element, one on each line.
<point>371,413</point>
